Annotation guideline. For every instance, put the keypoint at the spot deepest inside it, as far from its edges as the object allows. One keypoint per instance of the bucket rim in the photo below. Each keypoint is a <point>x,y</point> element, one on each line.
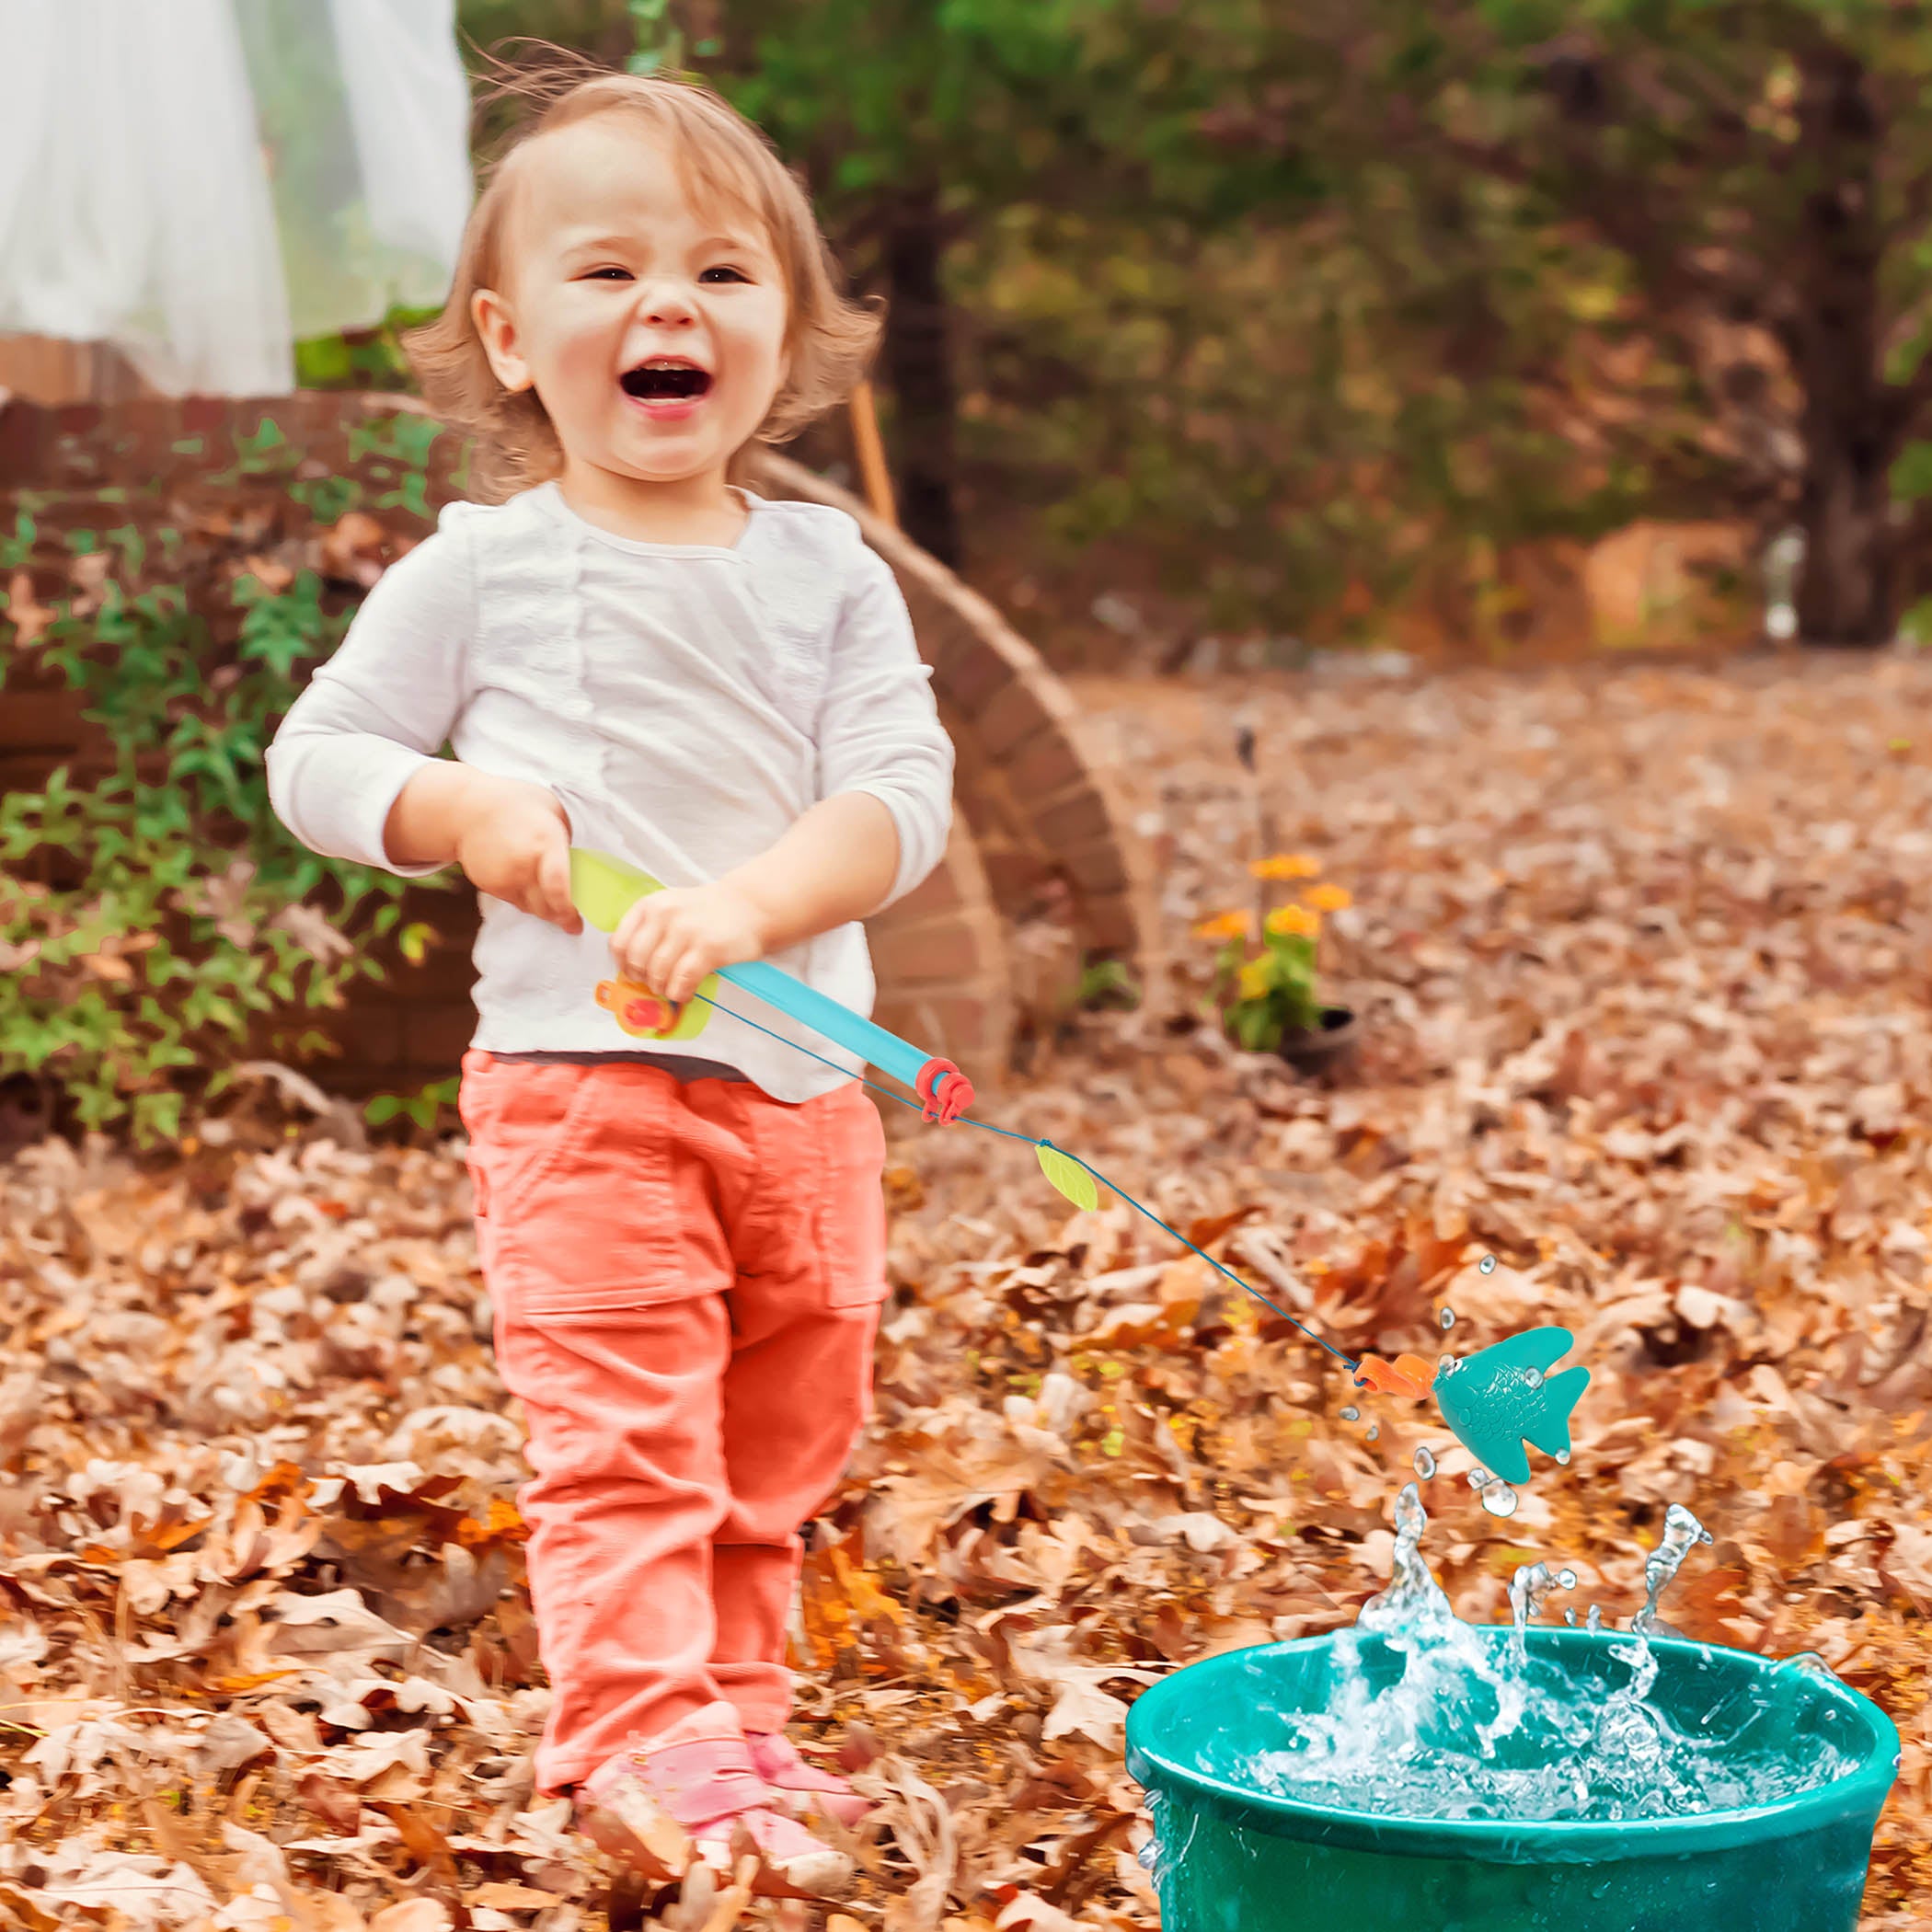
<point>1529,1840</point>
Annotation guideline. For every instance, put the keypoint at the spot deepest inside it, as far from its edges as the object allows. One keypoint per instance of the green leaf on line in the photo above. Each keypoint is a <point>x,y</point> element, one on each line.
<point>1071,1176</point>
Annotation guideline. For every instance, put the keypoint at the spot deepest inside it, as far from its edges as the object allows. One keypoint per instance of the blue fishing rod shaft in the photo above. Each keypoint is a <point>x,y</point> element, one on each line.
<point>841,1025</point>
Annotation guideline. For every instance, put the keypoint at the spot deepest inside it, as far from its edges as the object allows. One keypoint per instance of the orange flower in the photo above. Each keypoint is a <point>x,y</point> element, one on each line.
<point>1330,898</point>
<point>1226,925</point>
<point>1294,921</point>
<point>1286,865</point>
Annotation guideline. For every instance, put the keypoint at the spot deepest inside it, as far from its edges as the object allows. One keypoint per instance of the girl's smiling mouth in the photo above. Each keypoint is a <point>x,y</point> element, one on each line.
<point>666,386</point>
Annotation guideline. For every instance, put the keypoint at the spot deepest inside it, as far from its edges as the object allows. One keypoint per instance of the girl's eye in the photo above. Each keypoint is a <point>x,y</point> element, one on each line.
<point>608,275</point>
<point>734,274</point>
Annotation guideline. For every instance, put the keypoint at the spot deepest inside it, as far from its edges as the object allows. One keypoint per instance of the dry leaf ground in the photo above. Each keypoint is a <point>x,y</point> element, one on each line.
<point>1643,954</point>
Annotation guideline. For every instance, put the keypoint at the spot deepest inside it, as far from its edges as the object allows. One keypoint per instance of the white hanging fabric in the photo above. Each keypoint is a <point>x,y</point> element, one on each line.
<point>364,113</point>
<point>203,183</point>
<point>133,206</point>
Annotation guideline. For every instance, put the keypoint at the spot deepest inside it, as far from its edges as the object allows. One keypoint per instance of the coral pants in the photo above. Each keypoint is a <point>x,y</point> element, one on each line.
<point>686,1279</point>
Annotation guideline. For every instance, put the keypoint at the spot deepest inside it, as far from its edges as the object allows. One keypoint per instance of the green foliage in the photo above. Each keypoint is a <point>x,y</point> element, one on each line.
<point>657,43</point>
<point>426,1107</point>
<point>1265,372</point>
<point>1107,983</point>
<point>157,920</point>
<point>1264,996</point>
<point>364,359</point>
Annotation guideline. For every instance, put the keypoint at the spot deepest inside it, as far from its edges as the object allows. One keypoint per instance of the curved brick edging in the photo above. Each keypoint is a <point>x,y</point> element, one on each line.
<point>1033,807</point>
<point>1040,806</point>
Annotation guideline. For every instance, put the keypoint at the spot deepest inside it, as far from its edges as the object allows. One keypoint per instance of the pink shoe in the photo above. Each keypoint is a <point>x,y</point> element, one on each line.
<point>802,1789</point>
<point>693,1792</point>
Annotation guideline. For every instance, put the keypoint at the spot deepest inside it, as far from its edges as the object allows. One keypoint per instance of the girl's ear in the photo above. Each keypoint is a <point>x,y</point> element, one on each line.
<point>497,328</point>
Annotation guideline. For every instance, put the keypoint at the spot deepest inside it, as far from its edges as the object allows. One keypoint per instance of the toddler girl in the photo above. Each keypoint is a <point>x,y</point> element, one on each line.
<point>684,1246</point>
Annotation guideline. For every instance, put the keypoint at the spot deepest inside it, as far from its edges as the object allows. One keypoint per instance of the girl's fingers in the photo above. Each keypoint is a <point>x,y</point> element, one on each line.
<point>686,975</point>
<point>626,930</point>
<point>662,962</point>
<point>554,881</point>
<point>658,948</point>
<point>635,940</point>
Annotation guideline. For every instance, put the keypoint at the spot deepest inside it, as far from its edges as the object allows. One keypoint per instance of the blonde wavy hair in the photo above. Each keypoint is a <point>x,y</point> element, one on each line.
<point>722,157</point>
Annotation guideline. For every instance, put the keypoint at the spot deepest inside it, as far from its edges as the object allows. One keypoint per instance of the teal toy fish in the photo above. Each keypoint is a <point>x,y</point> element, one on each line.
<point>1501,1395</point>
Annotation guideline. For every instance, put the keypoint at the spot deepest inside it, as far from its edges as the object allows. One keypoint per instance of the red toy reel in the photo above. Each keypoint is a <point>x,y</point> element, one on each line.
<point>644,1015</point>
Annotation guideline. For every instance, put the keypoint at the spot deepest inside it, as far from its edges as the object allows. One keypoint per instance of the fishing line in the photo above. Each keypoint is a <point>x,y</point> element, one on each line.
<point>966,1120</point>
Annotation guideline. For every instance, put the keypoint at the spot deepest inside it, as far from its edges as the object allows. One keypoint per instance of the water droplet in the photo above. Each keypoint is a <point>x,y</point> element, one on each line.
<point>1533,1378</point>
<point>1567,1578</point>
<point>1374,1430</point>
<point>1596,1617</point>
<point>1499,1498</point>
<point>1425,1462</point>
<point>1569,1617</point>
<point>1479,1478</point>
<point>1448,1317</point>
<point>1447,1364</point>
<point>1351,1414</point>
<point>1488,1264</point>
<point>1563,1455</point>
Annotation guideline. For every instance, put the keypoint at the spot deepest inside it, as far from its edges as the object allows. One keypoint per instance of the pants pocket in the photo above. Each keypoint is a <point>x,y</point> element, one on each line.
<point>851,1213</point>
<point>573,1193</point>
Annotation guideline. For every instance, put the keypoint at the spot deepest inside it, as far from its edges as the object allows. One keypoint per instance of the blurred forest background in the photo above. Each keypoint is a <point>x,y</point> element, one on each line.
<point>1224,329</point>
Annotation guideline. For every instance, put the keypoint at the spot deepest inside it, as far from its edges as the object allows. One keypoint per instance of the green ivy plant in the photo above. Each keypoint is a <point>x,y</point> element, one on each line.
<point>152,918</point>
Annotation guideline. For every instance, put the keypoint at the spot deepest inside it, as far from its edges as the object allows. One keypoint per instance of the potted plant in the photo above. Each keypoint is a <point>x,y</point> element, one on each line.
<point>1267,995</point>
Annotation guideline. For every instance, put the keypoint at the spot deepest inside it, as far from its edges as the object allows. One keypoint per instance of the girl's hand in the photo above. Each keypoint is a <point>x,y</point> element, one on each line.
<point>673,940</point>
<point>513,842</point>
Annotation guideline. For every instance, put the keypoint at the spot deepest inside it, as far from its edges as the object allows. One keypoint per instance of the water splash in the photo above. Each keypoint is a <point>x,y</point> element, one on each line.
<point>1528,1587</point>
<point>1425,1462</point>
<point>1682,1533</point>
<point>1531,1583</point>
<point>1476,1725</point>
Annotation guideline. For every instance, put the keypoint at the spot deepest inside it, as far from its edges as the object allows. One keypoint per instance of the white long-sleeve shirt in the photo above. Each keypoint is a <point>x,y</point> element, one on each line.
<point>686,703</point>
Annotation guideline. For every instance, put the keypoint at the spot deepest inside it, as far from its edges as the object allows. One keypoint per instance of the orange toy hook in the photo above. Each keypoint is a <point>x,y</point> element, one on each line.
<point>1406,1375</point>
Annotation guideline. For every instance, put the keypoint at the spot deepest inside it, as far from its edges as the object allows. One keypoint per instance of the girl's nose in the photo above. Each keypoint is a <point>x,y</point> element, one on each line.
<point>666,302</point>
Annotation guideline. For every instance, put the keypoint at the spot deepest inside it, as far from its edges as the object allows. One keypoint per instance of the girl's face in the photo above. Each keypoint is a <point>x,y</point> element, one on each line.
<point>652,330</point>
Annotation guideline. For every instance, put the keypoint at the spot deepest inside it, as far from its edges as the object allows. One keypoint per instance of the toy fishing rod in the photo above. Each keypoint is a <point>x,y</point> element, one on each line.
<point>1493,1400</point>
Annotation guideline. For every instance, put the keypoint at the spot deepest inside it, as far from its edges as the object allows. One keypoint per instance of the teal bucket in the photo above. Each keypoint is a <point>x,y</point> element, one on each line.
<point>1235,1859</point>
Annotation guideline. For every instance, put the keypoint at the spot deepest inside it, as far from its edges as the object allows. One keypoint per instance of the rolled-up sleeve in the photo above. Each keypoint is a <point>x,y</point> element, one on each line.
<point>879,725</point>
<point>381,708</point>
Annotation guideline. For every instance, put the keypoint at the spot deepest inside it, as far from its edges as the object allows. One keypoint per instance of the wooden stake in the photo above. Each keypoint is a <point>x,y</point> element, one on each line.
<point>870,450</point>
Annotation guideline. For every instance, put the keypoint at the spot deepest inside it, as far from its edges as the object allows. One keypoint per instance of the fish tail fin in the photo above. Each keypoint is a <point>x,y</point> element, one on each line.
<point>1560,1396</point>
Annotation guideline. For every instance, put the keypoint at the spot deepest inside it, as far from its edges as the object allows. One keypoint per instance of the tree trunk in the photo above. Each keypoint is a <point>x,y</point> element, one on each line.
<point>918,365</point>
<point>1845,591</point>
<point>1851,432</point>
